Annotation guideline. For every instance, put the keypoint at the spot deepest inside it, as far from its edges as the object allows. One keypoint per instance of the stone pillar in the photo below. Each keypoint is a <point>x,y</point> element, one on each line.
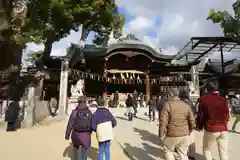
<point>148,92</point>
<point>30,109</point>
<point>63,89</point>
<point>195,92</point>
<point>3,108</point>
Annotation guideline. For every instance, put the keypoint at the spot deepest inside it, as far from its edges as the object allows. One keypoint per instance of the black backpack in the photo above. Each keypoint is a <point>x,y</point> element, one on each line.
<point>83,121</point>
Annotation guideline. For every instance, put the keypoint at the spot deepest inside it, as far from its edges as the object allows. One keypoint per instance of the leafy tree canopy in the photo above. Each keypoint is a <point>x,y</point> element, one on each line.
<point>32,56</point>
<point>50,20</point>
<point>229,23</point>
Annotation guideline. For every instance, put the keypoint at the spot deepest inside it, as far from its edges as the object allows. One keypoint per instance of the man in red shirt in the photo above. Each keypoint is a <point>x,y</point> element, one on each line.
<point>213,117</point>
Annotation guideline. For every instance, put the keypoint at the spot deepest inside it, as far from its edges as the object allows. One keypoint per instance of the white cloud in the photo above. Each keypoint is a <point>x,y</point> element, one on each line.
<point>180,20</point>
<point>170,50</point>
<point>140,23</point>
<point>175,24</point>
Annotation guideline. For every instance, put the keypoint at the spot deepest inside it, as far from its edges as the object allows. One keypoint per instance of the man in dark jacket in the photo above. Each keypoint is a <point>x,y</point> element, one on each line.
<point>81,140</point>
<point>116,99</point>
<point>213,116</point>
<point>151,109</point>
<point>135,99</point>
<point>160,103</point>
<point>129,104</point>
<point>11,116</point>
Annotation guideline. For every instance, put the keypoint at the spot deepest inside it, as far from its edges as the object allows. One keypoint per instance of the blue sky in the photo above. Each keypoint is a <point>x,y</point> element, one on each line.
<point>59,48</point>
<point>165,24</point>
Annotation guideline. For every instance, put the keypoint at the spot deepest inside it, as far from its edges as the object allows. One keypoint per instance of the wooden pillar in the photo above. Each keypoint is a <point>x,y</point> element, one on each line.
<point>105,87</point>
<point>148,92</point>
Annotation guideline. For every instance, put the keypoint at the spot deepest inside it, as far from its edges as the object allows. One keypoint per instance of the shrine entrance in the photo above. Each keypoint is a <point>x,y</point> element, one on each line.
<point>124,67</point>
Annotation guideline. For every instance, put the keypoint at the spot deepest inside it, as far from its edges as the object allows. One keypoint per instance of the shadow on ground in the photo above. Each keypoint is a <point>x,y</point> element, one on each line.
<point>232,131</point>
<point>71,153</point>
<point>148,136</point>
<point>147,151</point>
<point>122,118</point>
<point>137,152</point>
<point>126,119</point>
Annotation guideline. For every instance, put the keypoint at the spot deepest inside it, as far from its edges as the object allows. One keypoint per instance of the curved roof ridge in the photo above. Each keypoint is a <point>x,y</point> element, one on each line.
<point>141,46</point>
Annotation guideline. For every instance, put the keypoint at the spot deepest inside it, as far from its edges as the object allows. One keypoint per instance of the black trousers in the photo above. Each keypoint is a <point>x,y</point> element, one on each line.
<point>135,109</point>
<point>130,116</point>
<point>151,114</point>
<point>11,126</point>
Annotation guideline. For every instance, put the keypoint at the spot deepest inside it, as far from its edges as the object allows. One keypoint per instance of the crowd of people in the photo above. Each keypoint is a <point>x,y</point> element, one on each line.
<point>178,119</point>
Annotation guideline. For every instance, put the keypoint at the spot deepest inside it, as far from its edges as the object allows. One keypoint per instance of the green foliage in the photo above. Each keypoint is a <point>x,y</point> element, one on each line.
<point>32,56</point>
<point>50,20</point>
<point>129,36</point>
<point>229,23</point>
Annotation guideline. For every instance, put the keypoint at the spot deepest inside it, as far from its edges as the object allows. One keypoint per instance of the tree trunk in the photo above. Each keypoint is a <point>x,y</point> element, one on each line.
<point>40,66</point>
<point>10,64</point>
<point>47,48</point>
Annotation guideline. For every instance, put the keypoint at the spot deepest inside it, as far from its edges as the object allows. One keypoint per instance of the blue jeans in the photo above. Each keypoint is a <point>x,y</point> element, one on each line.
<point>104,148</point>
<point>80,153</point>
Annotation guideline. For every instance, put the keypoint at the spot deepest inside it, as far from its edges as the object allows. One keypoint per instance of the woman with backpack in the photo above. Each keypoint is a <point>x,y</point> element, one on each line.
<point>79,126</point>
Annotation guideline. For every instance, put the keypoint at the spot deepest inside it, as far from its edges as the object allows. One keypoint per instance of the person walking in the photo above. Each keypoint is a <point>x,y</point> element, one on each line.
<point>151,109</point>
<point>135,102</point>
<point>213,116</point>
<point>184,96</point>
<point>129,104</point>
<point>176,122</point>
<point>12,115</point>
<point>79,126</point>
<point>141,100</point>
<point>103,123</point>
<point>160,103</point>
<point>116,99</point>
<point>235,109</point>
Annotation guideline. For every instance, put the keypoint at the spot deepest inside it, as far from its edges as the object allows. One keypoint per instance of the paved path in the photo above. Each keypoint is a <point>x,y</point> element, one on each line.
<point>139,138</point>
<point>46,143</point>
